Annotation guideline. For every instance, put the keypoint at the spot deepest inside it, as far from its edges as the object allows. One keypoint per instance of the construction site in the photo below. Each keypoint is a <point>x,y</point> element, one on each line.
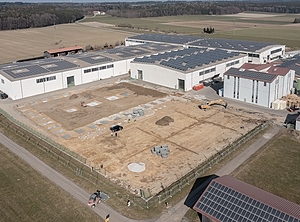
<point>160,135</point>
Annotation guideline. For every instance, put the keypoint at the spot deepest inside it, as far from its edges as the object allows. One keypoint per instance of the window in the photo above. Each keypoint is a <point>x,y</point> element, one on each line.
<point>94,69</point>
<point>238,88</point>
<point>87,71</point>
<point>102,67</point>
<point>46,79</point>
<point>256,98</point>
<point>234,87</point>
<point>2,81</point>
<point>110,66</point>
<point>252,91</point>
<point>265,84</point>
<point>201,73</point>
<point>253,55</point>
<point>276,50</point>
<point>228,77</point>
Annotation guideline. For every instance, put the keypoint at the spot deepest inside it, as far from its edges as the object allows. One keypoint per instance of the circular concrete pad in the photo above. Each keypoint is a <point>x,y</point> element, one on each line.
<point>137,167</point>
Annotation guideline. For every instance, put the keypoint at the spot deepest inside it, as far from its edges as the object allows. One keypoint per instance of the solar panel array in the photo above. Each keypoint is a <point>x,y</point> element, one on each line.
<point>177,39</point>
<point>292,64</point>
<point>94,59</point>
<point>230,44</point>
<point>20,72</point>
<point>25,69</point>
<point>228,205</point>
<point>186,59</point>
<point>260,76</point>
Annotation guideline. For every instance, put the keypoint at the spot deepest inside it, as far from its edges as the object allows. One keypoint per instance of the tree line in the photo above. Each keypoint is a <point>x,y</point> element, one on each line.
<point>31,15</point>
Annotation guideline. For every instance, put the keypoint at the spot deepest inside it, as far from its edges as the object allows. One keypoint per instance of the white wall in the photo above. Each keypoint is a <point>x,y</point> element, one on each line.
<point>6,86</point>
<point>53,85</point>
<point>129,42</point>
<point>31,88</point>
<point>158,75</point>
<point>246,91</point>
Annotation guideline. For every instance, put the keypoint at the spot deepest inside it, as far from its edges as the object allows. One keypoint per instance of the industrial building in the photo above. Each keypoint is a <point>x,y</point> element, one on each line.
<point>24,79</point>
<point>182,69</point>
<point>258,52</point>
<point>174,61</point>
<point>258,84</point>
<point>229,199</point>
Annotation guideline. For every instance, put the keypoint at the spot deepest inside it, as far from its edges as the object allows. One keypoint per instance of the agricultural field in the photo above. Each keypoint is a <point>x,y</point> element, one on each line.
<point>276,168</point>
<point>29,43</point>
<point>245,26</point>
<point>167,119</point>
<point>97,31</point>
<point>27,196</point>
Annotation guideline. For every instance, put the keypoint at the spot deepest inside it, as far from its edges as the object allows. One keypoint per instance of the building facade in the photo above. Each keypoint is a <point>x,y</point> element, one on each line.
<point>258,87</point>
<point>185,68</point>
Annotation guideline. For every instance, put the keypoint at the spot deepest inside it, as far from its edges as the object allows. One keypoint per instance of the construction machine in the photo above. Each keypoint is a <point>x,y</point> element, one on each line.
<point>219,102</point>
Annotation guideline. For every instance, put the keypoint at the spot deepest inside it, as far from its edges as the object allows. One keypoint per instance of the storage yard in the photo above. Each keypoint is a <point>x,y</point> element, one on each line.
<point>150,118</point>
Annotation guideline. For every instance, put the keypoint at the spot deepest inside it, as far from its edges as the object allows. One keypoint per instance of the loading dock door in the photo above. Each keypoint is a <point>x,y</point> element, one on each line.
<point>140,74</point>
<point>70,81</point>
<point>181,84</point>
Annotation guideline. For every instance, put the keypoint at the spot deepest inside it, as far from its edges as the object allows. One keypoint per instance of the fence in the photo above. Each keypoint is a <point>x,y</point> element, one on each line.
<point>97,176</point>
<point>202,168</point>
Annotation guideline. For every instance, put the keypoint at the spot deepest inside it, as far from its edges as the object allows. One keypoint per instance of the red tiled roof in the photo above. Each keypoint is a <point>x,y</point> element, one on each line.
<point>278,70</point>
<point>67,49</point>
<point>271,69</point>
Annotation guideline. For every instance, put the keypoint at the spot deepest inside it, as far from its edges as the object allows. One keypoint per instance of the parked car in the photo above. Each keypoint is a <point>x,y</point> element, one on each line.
<point>3,95</point>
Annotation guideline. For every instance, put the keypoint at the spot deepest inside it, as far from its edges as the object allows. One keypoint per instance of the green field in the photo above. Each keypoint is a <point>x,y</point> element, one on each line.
<point>27,196</point>
<point>275,169</point>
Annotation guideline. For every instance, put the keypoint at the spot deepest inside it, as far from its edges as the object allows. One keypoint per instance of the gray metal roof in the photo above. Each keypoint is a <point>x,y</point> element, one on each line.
<point>254,75</point>
<point>36,67</point>
<point>175,39</point>
<point>187,59</point>
<point>293,63</point>
<point>229,199</point>
<point>230,44</point>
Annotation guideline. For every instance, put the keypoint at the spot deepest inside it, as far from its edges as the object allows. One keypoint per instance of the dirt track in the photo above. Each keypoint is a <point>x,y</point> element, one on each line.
<point>193,135</point>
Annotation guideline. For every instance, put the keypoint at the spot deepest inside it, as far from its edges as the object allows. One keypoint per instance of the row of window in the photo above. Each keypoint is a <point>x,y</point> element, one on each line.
<point>98,68</point>
<point>232,63</point>
<point>253,55</point>
<point>46,79</point>
<point>276,50</point>
<point>207,71</point>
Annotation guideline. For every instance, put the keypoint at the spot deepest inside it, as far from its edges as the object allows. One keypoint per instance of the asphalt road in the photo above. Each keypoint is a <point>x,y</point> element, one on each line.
<point>78,193</point>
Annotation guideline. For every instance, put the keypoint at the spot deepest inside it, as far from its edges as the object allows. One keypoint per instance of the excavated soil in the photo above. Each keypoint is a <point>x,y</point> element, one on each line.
<point>191,134</point>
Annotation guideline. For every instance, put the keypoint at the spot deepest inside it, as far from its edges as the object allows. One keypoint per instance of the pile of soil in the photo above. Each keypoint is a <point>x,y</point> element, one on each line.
<point>165,121</point>
<point>74,96</point>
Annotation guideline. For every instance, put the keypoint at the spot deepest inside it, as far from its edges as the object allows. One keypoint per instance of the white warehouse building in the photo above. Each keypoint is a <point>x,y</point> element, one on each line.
<point>174,61</point>
<point>258,52</point>
<point>25,79</point>
<point>184,68</point>
<point>258,87</point>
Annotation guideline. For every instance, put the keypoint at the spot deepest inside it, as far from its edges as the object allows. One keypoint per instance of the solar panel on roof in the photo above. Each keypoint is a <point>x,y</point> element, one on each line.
<point>235,206</point>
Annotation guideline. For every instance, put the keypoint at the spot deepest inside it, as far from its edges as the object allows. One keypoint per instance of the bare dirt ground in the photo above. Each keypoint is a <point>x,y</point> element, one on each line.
<point>192,135</point>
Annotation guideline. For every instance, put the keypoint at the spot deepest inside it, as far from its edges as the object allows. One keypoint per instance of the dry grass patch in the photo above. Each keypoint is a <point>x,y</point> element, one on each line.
<point>28,196</point>
<point>276,169</point>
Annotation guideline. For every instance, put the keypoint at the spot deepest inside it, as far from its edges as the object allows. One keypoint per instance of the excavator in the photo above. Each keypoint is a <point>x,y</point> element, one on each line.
<point>219,102</point>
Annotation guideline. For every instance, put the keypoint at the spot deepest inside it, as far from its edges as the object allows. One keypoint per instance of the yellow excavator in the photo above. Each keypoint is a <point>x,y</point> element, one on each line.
<point>219,102</point>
